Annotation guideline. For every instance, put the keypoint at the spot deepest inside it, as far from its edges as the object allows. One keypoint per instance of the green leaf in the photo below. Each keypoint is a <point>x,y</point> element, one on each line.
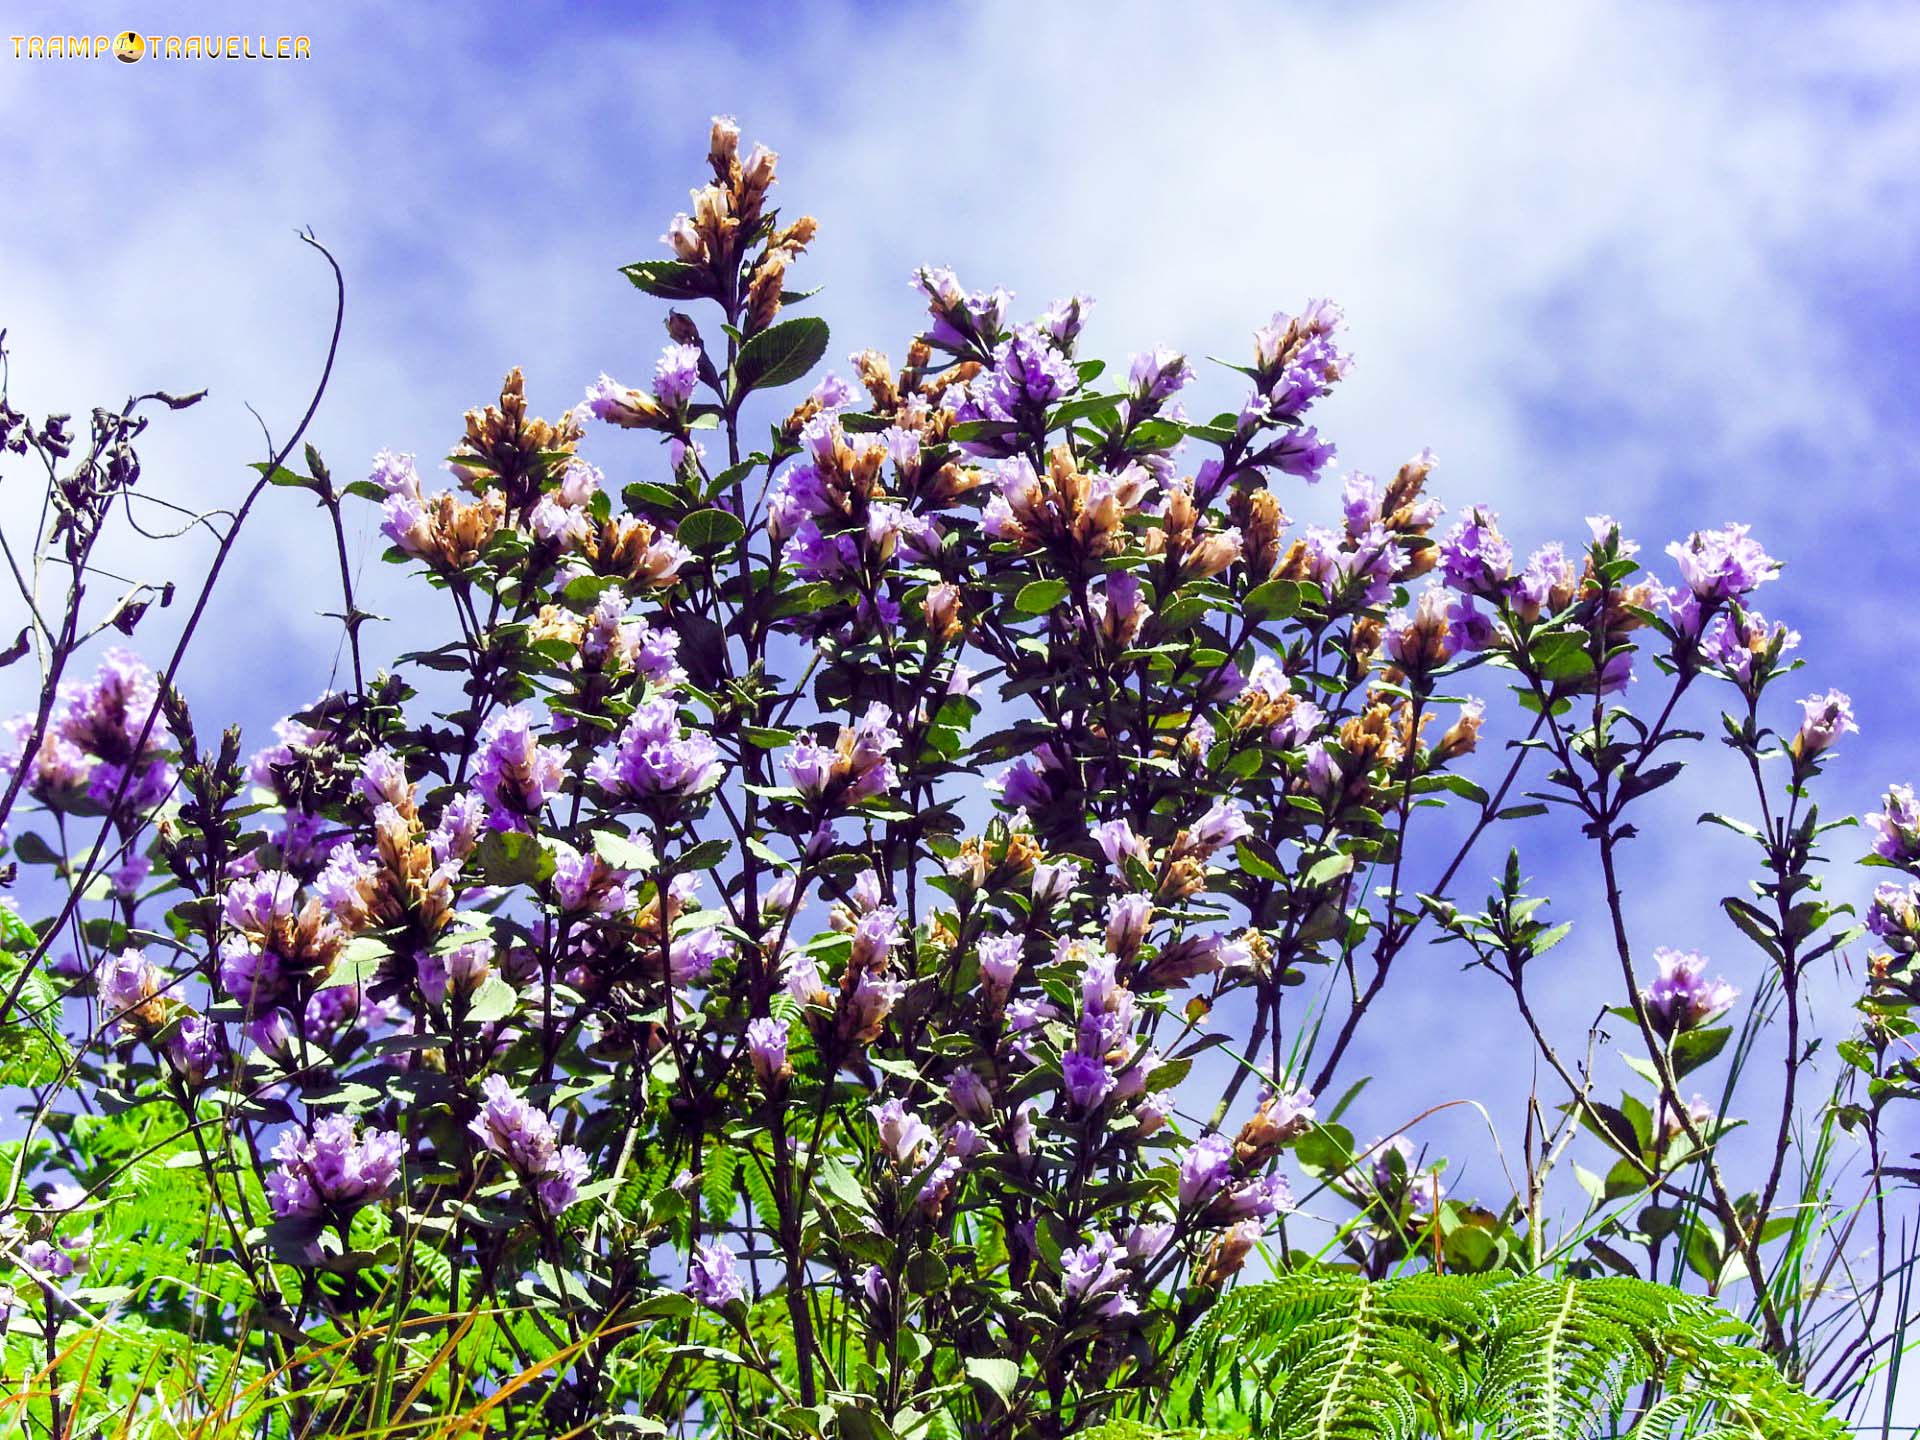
<point>780,355</point>
<point>1694,1048</point>
<point>1037,597</point>
<point>624,852</point>
<point>669,279</point>
<point>1275,600</point>
<point>494,1000</point>
<point>509,857</point>
<point>709,530</point>
<point>999,1376</point>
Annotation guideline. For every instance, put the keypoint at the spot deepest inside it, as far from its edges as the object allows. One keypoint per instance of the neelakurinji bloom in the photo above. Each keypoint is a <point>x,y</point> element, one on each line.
<point>712,1279</point>
<point>1896,826</point>
<point>1681,997</point>
<point>1723,564</point>
<point>1825,720</point>
<point>516,774</point>
<point>656,757</point>
<point>334,1167</point>
<point>524,1137</point>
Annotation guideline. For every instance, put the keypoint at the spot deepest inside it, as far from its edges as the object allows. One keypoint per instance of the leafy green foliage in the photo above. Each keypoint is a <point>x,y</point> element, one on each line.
<point>1320,1355</point>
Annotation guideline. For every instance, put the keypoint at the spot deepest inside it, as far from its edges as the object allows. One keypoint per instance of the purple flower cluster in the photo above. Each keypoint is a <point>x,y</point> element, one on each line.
<point>524,1137</point>
<point>657,758</point>
<point>1681,997</point>
<point>93,742</point>
<point>332,1168</point>
<point>1896,826</point>
<point>516,774</point>
<point>712,1279</point>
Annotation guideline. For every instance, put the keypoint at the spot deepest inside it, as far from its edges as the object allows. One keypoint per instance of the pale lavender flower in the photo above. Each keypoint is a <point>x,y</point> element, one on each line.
<point>1895,915</point>
<point>767,1050</point>
<point>514,1129</point>
<point>560,1186</point>
<point>1204,1169</point>
<point>656,757</point>
<point>516,774</point>
<point>332,1167</point>
<point>1827,717</point>
<point>1681,997</point>
<point>1896,826</point>
<point>1225,823</point>
<point>1128,917</point>
<point>692,956</point>
<point>833,393</point>
<point>1153,1112</point>
<point>999,963</point>
<point>675,374</point>
<point>903,1135</point>
<point>1475,557</point>
<point>1093,1274</point>
<point>1723,564</point>
<point>1259,1199</point>
<point>968,1094</point>
<point>1116,840</point>
<point>458,971</point>
<point>712,1279</point>
<point>1052,883</point>
<point>1158,374</point>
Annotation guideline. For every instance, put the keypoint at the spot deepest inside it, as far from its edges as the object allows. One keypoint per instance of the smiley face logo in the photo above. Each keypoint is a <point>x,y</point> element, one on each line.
<point>128,46</point>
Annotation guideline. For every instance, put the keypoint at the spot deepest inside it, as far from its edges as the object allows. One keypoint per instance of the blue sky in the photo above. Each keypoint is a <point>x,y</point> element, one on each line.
<point>1656,260</point>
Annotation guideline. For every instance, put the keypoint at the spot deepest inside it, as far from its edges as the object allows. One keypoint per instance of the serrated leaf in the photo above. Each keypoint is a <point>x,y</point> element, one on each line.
<point>780,354</point>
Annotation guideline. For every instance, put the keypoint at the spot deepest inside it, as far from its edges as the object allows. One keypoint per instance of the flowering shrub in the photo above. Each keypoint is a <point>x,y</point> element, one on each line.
<point>751,975</point>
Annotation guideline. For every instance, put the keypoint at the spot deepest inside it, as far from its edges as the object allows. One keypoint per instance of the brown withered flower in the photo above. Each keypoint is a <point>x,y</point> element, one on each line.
<point>506,447</point>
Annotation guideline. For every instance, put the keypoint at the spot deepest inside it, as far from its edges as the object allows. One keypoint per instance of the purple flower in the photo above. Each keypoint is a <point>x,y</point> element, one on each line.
<point>712,1279</point>
<point>1116,840</point>
<point>516,774</point>
<point>1737,639</point>
<point>1475,557</point>
<point>1093,1273</point>
<point>127,985</point>
<point>101,720</point>
<point>854,768</point>
<point>1827,717</point>
<point>250,975</point>
<point>1322,771</point>
<point>767,1050</point>
<point>1024,787</point>
<point>1896,826</point>
<point>1052,883</point>
<point>560,1186</point>
<point>655,757</point>
<point>833,393</point>
<point>1062,321</point>
<point>675,374</point>
<point>1158,374</point>
<point>1127,919</point>
<point>512,1128</point>
<point>587,884</point>
<point>1225,823</point>
<point>259,905</point>
<point>1087,1080</point>
<point>968,1094</point>
<point>1204,1169</point>
<point>331,1167</point>
<point>1895,915</point>
<point>1681,997</point>
<point>1260,1199</point>
<point>903,1135</point>
<point>194,1049</point>
<point>1723,564</point>
<point>692,956</point>
<point>459,971</point>
<point>1153,1112</point>
<point>999,963</point>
